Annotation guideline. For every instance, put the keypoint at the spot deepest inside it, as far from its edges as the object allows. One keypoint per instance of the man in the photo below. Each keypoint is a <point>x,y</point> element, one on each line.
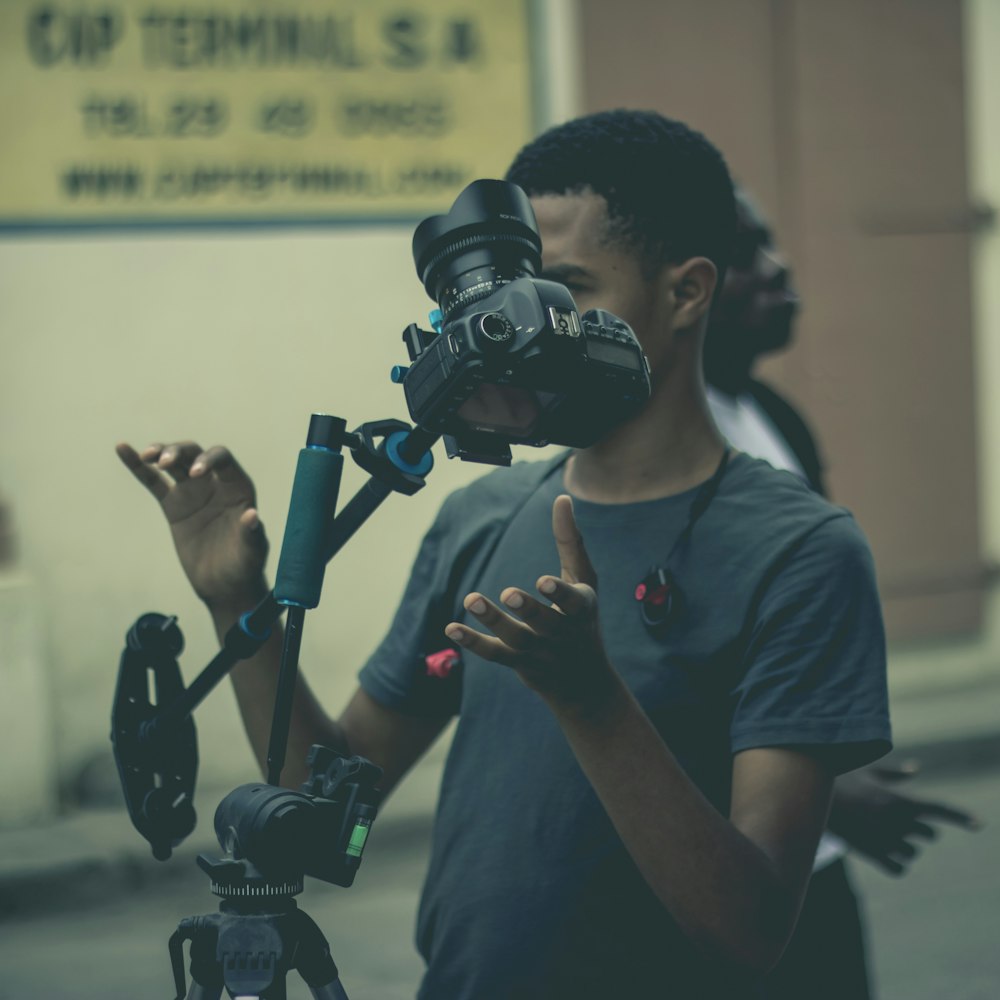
<point>632,799</point>
<point>755,316</point>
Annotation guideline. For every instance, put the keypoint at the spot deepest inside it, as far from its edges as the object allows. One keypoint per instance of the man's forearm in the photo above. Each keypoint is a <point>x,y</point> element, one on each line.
<point>722,889</point>
<point>255,682</point>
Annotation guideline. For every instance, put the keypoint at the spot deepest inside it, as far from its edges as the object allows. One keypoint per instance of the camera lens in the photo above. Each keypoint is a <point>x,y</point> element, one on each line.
<point>487,239</point>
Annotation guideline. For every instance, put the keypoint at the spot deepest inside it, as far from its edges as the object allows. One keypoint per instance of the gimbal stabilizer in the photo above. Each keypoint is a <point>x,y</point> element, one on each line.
<point>271,836</point>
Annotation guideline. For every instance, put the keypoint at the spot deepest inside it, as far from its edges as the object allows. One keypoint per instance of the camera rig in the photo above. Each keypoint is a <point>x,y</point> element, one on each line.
<point>509,361</point>
<point>272,837</point>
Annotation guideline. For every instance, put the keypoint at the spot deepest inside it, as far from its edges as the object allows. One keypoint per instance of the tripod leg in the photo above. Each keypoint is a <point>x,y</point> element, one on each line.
<point>314,961</point>
<point>206,975</point>
<point>332,991</point>
<point>199,992</point>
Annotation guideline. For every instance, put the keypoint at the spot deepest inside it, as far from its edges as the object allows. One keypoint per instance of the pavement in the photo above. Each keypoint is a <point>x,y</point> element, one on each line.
<point>89,881</point>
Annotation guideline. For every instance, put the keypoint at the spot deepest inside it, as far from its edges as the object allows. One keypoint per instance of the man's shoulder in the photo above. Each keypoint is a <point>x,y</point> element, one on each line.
<point>783,546</point>
<point>756,479</point>
<point>776,508</point>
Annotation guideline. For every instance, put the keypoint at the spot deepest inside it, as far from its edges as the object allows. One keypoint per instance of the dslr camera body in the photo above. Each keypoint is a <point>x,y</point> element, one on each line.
<point>511,360</point>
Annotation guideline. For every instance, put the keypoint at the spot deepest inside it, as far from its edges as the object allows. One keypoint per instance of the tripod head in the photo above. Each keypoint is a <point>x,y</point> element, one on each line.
<point>272,838</point>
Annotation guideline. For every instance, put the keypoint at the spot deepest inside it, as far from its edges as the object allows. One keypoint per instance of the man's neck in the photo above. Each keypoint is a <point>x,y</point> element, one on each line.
<point>672,446</point>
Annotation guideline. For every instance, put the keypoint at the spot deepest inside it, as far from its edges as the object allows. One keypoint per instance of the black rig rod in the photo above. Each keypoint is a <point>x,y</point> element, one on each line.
<point>238,646</point>
<point>281,719</point>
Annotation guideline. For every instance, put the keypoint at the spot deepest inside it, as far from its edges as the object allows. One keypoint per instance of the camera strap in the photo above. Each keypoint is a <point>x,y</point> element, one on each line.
<point>658,593</point>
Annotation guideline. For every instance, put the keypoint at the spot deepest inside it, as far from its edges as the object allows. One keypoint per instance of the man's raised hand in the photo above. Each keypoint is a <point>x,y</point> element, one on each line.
<point>211,507</point>
<point>555,648</point>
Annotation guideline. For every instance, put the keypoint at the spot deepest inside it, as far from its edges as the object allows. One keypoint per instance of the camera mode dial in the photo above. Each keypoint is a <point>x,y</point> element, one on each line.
<point>494,330</point>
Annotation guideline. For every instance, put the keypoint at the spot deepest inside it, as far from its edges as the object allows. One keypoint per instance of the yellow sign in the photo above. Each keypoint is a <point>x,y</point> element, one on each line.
<point>236,111</point>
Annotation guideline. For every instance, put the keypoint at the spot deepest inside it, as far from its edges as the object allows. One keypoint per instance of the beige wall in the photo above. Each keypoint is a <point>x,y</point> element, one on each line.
<point>229,337</point>
<point>916,668</point>
<point>983,46</point>
<point>223,338</point>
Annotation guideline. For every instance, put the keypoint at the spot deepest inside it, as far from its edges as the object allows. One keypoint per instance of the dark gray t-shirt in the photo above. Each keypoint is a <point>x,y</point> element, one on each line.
<point>778,641</point>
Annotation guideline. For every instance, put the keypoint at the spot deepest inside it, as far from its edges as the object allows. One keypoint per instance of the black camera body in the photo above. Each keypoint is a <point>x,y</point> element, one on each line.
<point>525,368</point>
<point>513,361</point>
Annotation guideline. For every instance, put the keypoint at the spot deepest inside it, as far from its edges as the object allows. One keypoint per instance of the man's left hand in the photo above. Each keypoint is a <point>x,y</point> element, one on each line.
<point>555,648</point>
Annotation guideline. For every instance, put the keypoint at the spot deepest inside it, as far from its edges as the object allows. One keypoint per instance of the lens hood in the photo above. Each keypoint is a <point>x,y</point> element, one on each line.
<point>491,224</point>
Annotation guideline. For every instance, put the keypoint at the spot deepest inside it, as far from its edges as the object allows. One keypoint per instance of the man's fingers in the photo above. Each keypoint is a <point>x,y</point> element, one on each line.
<point>890,866</point>
<point>957,817</point>
<point>902,771</point>
<point>572,600</point>
<point>486,646</point>
<point>508,630</point>
<point>176,459</point>
<point>148,476</point>
<point>184,459</point>
<point>542,618</point>
<point>253,528</point>
<point>573,558</point>
<point>925,830</point>
<point>250,519</point>
<point>904,849</point>
<point>220,460</point>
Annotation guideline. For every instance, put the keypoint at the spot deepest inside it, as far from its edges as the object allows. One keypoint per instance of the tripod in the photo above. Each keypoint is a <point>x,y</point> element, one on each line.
<point>250,945</point>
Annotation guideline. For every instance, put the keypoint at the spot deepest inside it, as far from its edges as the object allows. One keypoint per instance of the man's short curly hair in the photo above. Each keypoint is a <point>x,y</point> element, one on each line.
<point>668,190</point>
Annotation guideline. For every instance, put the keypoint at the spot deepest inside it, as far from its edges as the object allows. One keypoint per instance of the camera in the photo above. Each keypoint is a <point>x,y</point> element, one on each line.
<point>511,360</point>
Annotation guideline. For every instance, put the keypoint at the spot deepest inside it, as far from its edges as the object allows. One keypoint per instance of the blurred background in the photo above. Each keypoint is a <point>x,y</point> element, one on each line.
<point>205,229</point>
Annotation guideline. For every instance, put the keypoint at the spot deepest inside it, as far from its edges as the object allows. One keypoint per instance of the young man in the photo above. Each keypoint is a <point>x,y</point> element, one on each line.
<point>633,798</point>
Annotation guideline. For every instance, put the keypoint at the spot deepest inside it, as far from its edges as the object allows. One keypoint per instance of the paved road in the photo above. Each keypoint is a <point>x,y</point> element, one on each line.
<point>934,931</point>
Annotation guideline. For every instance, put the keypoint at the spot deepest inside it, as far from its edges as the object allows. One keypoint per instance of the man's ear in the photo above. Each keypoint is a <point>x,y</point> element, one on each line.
<point>693,285</point>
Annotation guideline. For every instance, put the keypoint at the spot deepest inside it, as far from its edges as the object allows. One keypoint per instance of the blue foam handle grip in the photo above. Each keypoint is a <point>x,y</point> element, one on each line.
<point>299,580</point>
